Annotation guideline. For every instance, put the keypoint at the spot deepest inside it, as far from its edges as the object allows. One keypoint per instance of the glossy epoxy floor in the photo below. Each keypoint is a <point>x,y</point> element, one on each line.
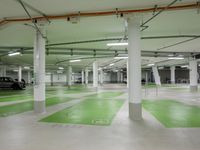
<point>23,131</point>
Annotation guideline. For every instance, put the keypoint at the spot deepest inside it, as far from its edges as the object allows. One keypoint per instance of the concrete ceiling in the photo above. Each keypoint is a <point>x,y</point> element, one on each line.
<point>179,22</point>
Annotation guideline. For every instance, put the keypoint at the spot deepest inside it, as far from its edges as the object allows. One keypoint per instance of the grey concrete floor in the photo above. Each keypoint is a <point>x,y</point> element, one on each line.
<point>24,132</point>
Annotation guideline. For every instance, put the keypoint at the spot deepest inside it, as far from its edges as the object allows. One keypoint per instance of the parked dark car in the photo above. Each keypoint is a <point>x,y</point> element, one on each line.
<point>7,82</point>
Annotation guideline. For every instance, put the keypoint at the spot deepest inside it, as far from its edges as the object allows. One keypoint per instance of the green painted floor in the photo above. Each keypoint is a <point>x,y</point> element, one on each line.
<point>173,114</point>
<point>28,106</point>
<point>99,109</point>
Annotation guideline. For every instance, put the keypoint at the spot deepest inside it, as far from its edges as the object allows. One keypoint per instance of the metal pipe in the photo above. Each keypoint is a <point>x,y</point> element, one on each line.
<point>105,13</point>
<point>165,8</point>
<point>33,20</point>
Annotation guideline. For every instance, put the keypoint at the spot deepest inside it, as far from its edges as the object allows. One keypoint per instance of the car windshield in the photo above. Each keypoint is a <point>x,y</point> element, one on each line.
<point>8,79</point>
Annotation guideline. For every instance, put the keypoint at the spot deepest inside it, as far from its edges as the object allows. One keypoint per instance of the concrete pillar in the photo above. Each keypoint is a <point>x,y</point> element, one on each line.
<point>28,77</point>
<point>156,75</point>
<point>39,73</point>
<point>172,70</point>
<point>193,75</point>
<point>69,75</point>
<point>101,76</point>
<point>20,74</point>
<point>3,71</point>
<point>127,74</point>
<point>86,76</point>
<point>51,79</point>
<point>82,78</point>
<point>121,77</point>
<point>118,76</point>
<point>134,68</point>
<point>95,74</point>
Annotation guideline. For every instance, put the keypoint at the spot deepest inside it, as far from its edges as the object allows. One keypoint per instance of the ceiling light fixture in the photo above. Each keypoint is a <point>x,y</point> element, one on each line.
<point>111,65</point>
<point>117,44</point>
<point>185,66</point>
<point>26,67</point>
<point>149,65</point>
<point>61,68</point>
<point>13,54</point>
<point>120,57</point>
<point>175,58</point>
<point>77,60</point>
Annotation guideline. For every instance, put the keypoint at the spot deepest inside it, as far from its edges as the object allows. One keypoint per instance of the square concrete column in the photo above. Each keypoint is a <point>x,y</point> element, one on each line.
<point>193,76</point>
<point>172,71</point>
<point>134,67</point>
<point>3,71</point>
<point>101,76</point>
<point>39,73</point>
<point>156,75</point>
<point>29,77</point>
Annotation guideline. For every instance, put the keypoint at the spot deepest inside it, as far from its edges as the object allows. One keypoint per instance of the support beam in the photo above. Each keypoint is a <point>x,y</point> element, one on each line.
<point>121,77</point>
<point>39,73</point>
<point>69,76</point>
<point>86,76</point>
<point>51,79</point>
<point>172,71</point>
<point>193,75</point>
<point>118,76</point>
<point>156,75</point>
<point>127,74</point>
<point>82,78</point>
<point>134,67</point>
<point>29,77</point>
<point>95,74</point>
<point>101,76</point>
<point>20,74</point>
<point>3,71</point>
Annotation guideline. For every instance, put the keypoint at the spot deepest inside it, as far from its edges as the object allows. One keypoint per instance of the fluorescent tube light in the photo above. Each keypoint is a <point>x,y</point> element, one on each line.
<point>120,57</point>
<point>111,65</point>
<point>61,68</point>
<point>175,58</point>
<point>13,54</point>
<point>117,44</point>
<point>149,65</point>
<point>186,66</point>
<point>77,60</point>
<point>26,67</point>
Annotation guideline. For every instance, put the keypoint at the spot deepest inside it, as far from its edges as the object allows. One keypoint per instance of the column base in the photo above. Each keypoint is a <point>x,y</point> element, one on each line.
<point>39,106</point>
<point>194,88</point>
<point>135,111</point>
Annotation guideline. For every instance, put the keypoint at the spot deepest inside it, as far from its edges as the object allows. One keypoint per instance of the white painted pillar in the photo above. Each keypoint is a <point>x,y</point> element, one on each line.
<point>101,76</point>
<point>3,71</point>
<point>127,73</point>
<point>69,75</point>
<point>134,68</point>
<point>86,76</point>
<point>118,77</point>
<point>172,70</point>
<point>20,74</point>
<point>39,73</point>
<point>156,75</point>
<point>29,77</point>
<point>95,74</point>
<point>121,77</point>
<point>82,74</point>
<point>51,79</point>
<point>193,75</point>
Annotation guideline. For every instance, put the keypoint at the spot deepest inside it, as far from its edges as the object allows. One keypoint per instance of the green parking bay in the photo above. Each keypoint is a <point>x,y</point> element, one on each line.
<point>173,114</point>
<point>92,111</point>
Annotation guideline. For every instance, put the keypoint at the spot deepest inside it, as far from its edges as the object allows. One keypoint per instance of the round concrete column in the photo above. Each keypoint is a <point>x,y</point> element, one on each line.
<point>69,76</point>
<point>39,73</point>
<point>82,78</point>
<point>95,74</point>
<point>193,75</point>
<point>134,68</point>
<point>172,70</point>
<point>86,76</point>
<point>20,74</point>
<point>156,75</point>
